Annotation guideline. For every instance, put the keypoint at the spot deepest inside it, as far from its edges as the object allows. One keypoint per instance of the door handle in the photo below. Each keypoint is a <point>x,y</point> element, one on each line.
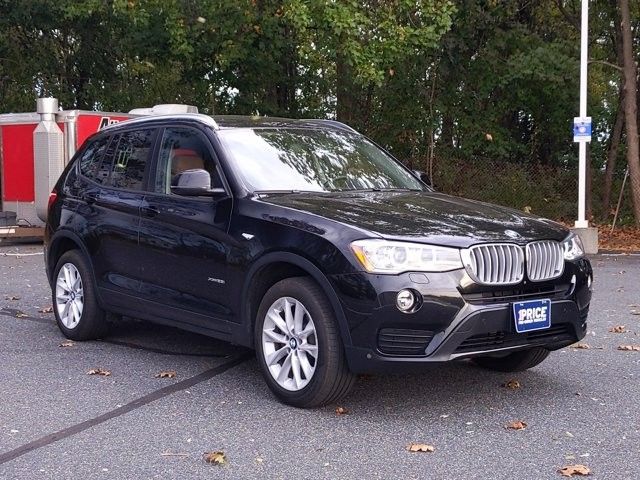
<point>149,211</point>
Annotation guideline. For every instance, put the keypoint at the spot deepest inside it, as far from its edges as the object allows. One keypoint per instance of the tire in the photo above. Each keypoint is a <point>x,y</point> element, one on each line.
<point>514,362</point>
<point>79,317</point>
<point>320,380</point>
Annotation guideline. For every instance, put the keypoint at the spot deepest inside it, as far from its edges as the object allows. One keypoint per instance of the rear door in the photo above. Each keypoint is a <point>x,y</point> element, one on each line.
<point>111,204</point>
<point>184,243</point>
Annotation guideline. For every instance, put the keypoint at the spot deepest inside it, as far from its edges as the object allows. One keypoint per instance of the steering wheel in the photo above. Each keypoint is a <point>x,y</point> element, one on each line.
<point>331,182</point>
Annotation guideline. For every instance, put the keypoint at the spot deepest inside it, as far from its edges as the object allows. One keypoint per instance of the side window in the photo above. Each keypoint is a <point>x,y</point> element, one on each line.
<point>91,159</point>
<point>130,159</point>
<point>183,149</point>
<point>107,161</point>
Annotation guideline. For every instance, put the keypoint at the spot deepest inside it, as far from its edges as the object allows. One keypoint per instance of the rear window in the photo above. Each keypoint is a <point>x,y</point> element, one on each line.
<point>91,159</point>
<point>130,159</point>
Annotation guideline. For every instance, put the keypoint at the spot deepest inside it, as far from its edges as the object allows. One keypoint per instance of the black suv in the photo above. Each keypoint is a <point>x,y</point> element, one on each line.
<point>306,241</point>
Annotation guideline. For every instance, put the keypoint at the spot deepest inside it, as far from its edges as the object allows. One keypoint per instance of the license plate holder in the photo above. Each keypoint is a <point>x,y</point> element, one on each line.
<point>532,315</point>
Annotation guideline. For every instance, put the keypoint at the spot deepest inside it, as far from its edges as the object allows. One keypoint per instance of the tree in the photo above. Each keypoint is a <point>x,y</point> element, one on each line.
<point>630,105</point>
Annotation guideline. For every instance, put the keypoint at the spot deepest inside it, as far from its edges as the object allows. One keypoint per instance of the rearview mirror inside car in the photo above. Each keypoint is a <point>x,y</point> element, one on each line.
<point>422,176</point>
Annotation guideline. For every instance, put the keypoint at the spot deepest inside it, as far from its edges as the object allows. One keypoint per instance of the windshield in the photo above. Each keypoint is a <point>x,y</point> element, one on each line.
<point>321,160</point>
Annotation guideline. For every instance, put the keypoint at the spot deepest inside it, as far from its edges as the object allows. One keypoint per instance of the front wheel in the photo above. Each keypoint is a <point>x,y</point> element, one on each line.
<point>298,345</point>
<point>514,362</point>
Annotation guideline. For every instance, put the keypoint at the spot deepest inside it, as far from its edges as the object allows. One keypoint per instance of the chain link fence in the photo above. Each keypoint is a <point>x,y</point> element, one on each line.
<point>547,191</point>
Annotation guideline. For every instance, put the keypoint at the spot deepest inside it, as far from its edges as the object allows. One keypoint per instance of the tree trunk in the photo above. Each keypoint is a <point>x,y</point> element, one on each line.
<point>612,155</point>
<point>630,107</point>
<point>345,102</point>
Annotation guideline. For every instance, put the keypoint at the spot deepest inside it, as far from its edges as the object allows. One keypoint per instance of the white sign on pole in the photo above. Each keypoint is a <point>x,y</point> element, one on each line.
<point>581,129</point>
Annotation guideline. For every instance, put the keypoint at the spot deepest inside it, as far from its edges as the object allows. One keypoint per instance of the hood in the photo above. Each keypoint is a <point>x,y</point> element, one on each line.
<point>424,217</point>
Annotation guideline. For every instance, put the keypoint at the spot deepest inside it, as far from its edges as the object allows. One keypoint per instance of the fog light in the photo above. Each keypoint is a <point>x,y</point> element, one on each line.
<point>405,300</point>
<point>589,281</point>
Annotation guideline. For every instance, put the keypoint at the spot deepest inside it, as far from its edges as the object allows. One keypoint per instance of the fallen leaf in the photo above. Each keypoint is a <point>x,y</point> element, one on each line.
<point>516,425</point>
<point>488,136</point>
<point>629,348</point>
<point>512,384</point>
<point>215,458</point>
<point>46,310</point>
<point>571,470</point>
<point>420,447</point>
<point>621,239</point>
<point>581,346</point>
<point>635,312</point>
<point>67,343</point>
<point>12,297</point>
<point>617,329</point>
<point>342,411</point>
<point>21,315</point>
<point>166,374</point>
<point>527,209</point>
<point>99,371</point>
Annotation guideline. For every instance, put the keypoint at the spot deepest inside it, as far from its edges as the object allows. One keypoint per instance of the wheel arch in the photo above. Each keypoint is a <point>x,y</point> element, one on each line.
<point>61,242</point>
<point>270,269</point>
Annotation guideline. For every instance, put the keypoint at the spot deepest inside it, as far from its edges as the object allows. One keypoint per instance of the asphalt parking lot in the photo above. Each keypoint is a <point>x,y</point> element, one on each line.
<point>581,405</point>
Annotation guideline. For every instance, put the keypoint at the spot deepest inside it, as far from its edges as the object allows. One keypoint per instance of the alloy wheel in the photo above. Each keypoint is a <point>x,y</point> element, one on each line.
<point>289,343</point>
<point>69,295</point>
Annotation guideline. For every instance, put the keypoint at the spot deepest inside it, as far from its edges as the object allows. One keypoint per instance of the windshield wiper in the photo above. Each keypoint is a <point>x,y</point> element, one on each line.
<point>390,189</point>
<point>262,192</point>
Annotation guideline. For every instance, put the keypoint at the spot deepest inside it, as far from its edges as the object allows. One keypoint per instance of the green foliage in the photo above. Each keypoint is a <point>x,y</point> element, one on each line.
<point>437,82</point>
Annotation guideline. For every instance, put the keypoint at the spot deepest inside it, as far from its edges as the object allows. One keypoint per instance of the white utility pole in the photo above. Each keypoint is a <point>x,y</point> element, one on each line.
<point>582,221</point>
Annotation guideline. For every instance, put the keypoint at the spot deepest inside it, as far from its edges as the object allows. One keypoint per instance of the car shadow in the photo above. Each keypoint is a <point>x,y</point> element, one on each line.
<point>438,388</point>
<point>155,338</point>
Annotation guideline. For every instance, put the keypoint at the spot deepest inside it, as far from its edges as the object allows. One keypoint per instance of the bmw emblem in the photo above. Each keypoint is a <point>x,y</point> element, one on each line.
<point>512,234</point>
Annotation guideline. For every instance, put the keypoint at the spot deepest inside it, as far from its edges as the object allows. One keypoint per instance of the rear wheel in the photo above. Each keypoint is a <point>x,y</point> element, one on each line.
<point>299,347</point>
<point>514,362</point>
<point>74,300</point>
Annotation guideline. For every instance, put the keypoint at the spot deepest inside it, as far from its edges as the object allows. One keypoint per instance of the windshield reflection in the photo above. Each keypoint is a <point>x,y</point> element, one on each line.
<point>317,160</point>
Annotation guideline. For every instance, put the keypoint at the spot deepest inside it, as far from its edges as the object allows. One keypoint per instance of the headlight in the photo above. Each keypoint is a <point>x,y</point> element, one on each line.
<point>381,256</point>
<point>572,247</point>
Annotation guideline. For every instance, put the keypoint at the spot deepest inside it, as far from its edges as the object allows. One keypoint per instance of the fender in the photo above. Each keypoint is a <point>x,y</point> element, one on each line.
<point>69,235</point>
<point>312,270</point>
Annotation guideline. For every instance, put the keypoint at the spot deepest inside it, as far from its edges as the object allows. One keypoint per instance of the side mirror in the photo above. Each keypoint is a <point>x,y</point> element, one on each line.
<point>422,176</point>
<point>194,183</point>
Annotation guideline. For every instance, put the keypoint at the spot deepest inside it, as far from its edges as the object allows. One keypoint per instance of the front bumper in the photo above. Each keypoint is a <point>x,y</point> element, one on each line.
<point>457,319</point>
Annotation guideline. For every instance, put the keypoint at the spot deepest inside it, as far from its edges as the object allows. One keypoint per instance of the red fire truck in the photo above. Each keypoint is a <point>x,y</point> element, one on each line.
<point>34,149</point>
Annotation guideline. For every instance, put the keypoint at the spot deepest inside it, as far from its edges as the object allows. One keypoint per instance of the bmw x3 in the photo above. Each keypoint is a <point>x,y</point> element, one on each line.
<point>303,240</point>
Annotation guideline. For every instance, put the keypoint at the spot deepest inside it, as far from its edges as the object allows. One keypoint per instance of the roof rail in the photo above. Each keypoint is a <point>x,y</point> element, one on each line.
<point>164,109</point>
<point>333,123</point>
<point>176,116</point>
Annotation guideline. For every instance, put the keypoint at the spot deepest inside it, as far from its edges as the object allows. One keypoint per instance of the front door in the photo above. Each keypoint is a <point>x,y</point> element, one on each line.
<point>184,243</point>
